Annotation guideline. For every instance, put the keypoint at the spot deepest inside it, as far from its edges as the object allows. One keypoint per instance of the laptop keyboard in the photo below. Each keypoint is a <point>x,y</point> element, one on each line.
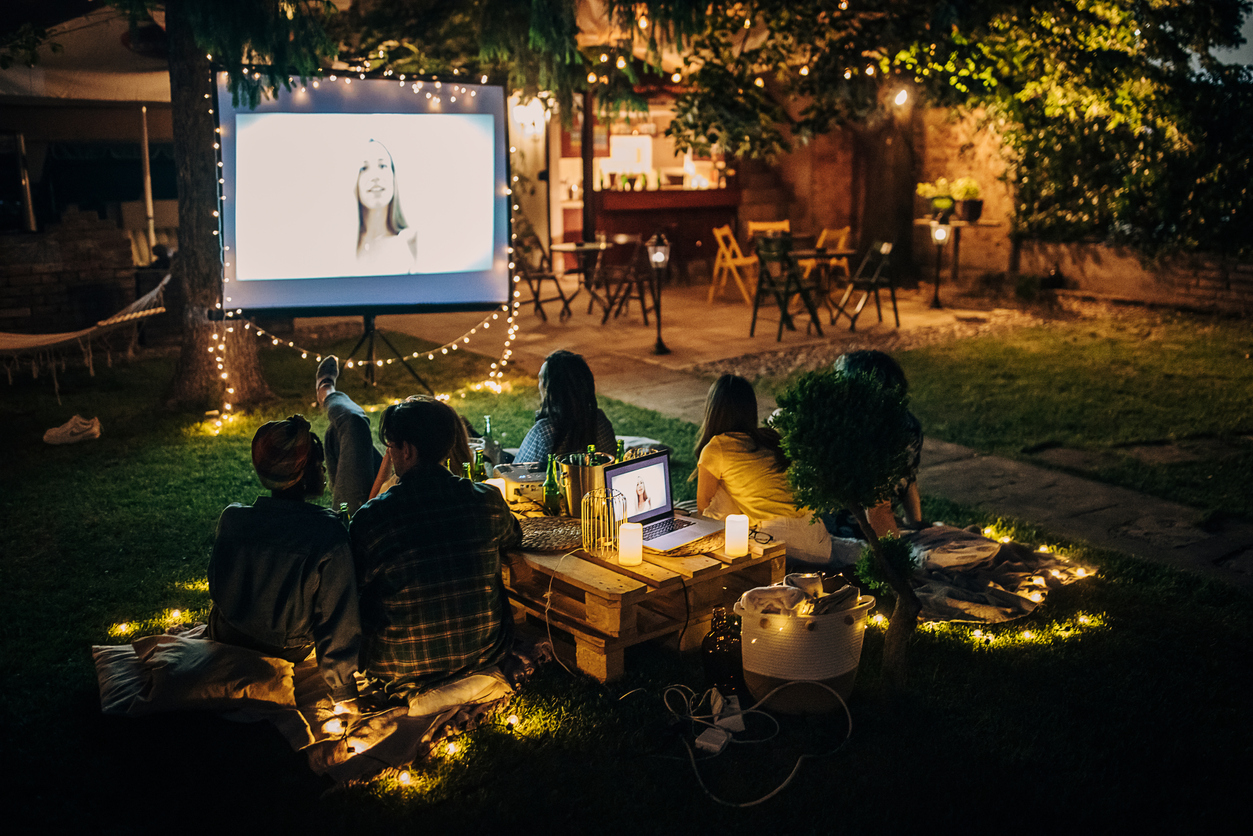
<point>652,532</point>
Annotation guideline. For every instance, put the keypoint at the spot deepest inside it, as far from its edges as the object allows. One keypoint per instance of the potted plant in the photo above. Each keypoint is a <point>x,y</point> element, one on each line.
<point>848,437</point>
<point>966,195</point>
<point>941,196</point>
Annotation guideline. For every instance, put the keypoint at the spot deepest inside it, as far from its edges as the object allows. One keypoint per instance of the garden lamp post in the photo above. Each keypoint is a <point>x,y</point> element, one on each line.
<point>659,260</point>
<point>940,235</point>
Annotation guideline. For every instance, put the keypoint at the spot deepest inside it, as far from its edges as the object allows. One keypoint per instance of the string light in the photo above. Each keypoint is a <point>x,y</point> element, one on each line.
<point>217,347</point>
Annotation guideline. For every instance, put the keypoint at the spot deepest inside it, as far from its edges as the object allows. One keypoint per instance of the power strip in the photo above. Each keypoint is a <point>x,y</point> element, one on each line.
<point>729,715</point>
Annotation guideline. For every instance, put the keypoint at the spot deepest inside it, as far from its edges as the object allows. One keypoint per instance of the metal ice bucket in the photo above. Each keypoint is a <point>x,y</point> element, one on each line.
<point>579,478</point>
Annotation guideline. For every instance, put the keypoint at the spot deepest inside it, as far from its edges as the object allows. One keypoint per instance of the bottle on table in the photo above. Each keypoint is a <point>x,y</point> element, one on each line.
<point>467,470</point>
<point>621,452</point>
<point>491,447</point>
<point>480,467</point>
<point>552,489</point>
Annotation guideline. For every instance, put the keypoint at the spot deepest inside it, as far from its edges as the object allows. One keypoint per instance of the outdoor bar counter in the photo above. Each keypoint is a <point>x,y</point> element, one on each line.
<point>686,216</point>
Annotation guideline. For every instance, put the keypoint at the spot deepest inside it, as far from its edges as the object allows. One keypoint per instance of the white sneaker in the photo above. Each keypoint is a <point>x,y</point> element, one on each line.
<point>74,430</point>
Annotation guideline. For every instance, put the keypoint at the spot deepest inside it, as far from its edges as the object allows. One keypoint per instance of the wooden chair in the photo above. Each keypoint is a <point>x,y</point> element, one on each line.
<point>755,228</point>
<point>779,276</point>
<point>728,262</point>
<point>869,279</point>
<point>537,269</point>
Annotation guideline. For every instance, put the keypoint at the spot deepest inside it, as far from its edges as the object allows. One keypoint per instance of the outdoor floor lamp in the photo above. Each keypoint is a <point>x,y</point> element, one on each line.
<point>659,260</point>
<point>940,235</point>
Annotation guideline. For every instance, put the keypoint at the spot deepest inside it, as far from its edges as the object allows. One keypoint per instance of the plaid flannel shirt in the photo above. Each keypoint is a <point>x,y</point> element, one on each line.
<point>538,442</point>
<point>433,604</point>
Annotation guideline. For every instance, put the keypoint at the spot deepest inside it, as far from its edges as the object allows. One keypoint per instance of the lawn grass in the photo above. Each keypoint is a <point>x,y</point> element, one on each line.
<point>1136,718</point>
<point>1105,384</point>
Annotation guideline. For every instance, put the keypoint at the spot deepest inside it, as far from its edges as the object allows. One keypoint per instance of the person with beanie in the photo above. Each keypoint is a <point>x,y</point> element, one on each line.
<point>281,574</point>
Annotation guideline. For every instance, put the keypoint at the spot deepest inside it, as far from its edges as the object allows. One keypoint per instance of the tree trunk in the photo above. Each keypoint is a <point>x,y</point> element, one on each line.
<point>198,383</point>
<point>904,615</point>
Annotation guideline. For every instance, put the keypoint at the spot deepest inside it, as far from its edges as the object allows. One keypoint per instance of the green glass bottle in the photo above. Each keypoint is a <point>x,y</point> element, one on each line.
<point>552,489</point>
<point>343,514</point>
<point>480,466</point>
<point>467,470</point>
<point>621,453</point>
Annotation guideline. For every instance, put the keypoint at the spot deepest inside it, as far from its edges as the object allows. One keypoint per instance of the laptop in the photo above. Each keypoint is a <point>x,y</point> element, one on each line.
<point>645,482</point>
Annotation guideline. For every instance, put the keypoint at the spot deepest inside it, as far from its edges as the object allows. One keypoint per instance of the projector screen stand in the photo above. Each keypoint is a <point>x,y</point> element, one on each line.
<point>371,362</point>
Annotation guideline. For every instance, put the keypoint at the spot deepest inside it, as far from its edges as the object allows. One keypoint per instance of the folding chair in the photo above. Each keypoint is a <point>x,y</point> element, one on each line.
<point>624,274</point>
<point>756,228</point>
<point>778,275</point>
<point>537,269</point>
<point>869,278</point>
<point>728,262</point>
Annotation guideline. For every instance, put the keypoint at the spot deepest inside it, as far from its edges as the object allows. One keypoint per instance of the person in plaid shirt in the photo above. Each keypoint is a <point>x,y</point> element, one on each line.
<point>433,605</point>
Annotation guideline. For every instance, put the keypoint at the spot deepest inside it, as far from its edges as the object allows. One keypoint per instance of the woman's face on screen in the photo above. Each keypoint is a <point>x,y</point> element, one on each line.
<point>376,183</point>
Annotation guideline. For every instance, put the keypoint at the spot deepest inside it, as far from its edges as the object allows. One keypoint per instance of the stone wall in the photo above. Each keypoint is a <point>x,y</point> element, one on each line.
<point>953,146</point>
<point>69,277</point>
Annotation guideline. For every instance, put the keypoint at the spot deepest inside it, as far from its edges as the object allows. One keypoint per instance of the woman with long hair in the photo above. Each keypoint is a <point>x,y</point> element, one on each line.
<point>385,243</point>
<point>742,469</point>
<point>568,419</point>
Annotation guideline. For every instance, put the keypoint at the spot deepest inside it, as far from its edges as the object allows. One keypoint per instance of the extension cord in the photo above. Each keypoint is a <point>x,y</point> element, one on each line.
<point>713,740</point>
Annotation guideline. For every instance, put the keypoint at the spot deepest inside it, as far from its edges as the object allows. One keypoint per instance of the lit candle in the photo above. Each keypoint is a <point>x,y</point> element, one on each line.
<point>498,484</point>
<point>631,544</point>
<point>737,535</point>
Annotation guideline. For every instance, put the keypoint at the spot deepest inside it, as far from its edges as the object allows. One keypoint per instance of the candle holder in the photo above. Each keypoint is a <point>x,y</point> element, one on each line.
<point>603,511</point>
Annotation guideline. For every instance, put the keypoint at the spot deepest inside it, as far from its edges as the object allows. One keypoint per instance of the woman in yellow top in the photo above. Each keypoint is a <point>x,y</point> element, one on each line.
<point>742,469</point>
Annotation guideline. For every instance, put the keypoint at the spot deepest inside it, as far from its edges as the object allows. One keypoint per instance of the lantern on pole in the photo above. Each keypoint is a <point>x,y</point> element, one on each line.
<point>659,260</point>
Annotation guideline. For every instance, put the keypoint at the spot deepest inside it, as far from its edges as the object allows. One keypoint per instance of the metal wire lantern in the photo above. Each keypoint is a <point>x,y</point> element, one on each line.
<point>603,511</point>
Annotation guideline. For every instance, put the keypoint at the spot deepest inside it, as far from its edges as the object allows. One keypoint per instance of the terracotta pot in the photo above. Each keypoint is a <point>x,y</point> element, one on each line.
<point>969,210</point>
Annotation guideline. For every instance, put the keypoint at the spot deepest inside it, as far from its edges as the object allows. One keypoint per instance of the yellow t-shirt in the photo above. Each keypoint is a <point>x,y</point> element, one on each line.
<point>749,477</point>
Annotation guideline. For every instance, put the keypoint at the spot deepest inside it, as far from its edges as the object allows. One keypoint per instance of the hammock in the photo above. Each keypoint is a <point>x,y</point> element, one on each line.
<point>40,347</point>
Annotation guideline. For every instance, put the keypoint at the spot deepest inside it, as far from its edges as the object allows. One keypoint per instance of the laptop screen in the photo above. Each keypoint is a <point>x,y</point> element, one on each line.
<point>645,482</point>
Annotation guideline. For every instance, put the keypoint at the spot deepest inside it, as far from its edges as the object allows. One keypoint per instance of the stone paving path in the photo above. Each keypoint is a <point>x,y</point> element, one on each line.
<point>705,339</point>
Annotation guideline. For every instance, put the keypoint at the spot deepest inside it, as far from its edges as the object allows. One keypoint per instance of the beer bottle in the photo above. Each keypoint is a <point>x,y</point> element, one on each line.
<point>467,470</point>
<point>343,513</point>
<point>621,455</point>
<point>552,489</point>
<point>480,467</point>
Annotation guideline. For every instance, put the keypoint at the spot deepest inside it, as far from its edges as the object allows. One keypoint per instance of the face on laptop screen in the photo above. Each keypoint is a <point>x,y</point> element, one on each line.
<point>646,488</point>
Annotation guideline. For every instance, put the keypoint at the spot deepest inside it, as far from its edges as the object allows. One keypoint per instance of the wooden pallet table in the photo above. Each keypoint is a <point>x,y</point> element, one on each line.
<point>606,608</point>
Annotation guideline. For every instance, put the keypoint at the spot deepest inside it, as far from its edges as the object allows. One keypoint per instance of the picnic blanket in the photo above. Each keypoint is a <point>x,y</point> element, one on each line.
<point>965,576</point>
<point>183,670</point>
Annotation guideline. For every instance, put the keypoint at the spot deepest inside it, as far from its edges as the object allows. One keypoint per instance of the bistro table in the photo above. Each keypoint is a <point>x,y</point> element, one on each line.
<point>606,608</point>
<point>588,253</point>
<point>957,227</point>
<point>822,256</point>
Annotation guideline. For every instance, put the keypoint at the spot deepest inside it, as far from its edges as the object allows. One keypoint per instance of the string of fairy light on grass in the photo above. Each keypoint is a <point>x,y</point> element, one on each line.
<point>230,319</point>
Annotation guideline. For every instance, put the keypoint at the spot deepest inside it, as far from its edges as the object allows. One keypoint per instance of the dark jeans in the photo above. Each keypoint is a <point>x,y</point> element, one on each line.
<point>351,460</point>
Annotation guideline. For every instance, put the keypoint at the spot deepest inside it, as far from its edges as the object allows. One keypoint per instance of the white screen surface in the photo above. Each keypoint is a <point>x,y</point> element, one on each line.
<point>300,232</point>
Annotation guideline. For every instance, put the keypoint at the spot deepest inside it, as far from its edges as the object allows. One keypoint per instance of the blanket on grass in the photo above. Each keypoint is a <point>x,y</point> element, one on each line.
<point>183,670</point>
<point>964,576</point>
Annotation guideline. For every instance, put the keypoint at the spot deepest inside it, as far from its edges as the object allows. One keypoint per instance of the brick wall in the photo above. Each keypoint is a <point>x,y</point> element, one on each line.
<point>76,273</point>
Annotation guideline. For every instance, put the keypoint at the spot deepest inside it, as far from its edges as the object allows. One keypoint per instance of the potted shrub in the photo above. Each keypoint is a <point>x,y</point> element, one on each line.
<point>941,196</point>
<point>847,437</point>
<point>966,196</point>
